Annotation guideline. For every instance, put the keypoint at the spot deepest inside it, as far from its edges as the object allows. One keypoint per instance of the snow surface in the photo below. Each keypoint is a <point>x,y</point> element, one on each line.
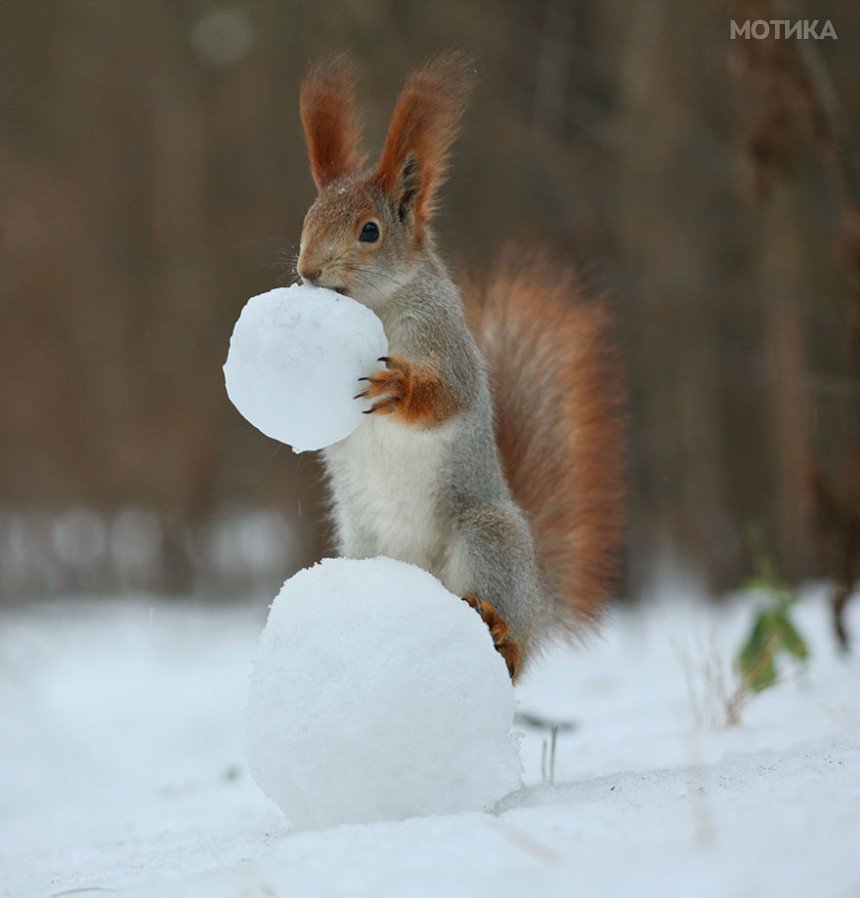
<point>294,361</point>
<point>122,770</point>
<point>376,694</point>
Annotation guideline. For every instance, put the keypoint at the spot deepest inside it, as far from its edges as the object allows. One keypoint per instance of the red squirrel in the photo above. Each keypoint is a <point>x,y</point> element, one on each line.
<point>492,453</point>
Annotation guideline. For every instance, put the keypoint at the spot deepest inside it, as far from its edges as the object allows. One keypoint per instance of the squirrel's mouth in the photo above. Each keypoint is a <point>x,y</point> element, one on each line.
<point>317,282</point>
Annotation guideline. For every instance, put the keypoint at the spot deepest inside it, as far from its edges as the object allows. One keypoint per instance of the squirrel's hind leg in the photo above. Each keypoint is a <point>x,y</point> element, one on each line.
<point>491,564</point>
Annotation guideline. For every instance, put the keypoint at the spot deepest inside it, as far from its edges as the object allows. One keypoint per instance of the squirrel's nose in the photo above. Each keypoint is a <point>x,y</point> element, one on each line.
<point>310,275</point>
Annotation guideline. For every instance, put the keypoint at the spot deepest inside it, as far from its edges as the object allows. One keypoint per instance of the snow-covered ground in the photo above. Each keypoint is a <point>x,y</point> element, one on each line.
<point>122,770</point>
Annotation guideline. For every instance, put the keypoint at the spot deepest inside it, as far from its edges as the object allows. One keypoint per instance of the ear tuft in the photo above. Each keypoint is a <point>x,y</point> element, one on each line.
<point>424,125</point>
<point>329,119</point>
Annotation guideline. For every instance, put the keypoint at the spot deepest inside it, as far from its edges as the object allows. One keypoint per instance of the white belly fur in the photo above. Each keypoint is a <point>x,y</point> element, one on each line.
<point>384,479</point>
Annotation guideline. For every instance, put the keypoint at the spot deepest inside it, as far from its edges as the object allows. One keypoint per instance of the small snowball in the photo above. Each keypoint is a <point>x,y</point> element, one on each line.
<point>376,694</point>
<point>294,361</point>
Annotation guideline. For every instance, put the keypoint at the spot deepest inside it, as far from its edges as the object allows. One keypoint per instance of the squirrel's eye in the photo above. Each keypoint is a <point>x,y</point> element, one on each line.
<point>369,233</point>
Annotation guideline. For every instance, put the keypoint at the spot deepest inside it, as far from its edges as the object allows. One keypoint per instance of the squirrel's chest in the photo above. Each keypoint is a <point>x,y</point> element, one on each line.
<point>386,481</point>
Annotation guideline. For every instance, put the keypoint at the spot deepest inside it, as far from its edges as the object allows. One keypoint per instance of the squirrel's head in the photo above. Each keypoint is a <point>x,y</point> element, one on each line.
<point>367,229</point>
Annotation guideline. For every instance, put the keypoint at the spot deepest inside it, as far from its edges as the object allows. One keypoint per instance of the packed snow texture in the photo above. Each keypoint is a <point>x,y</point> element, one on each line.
<point>376,694</point>
<point>122,771</point>
<point>294,361</point>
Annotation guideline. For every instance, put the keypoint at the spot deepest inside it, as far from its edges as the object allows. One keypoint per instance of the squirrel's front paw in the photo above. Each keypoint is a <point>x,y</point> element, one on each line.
<point>509,649</point>
<point>391,387</point>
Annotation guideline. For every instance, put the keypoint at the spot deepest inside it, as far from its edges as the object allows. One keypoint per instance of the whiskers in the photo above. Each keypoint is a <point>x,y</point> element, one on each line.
<point>285,263</point>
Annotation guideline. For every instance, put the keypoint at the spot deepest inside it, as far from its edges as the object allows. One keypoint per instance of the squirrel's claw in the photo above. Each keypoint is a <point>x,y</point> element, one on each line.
<point>386,406</point>
<point>392,386</point>
<point>509,649</point>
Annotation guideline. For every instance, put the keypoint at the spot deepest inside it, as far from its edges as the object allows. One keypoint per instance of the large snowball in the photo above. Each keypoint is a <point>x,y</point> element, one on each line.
<point>377,695</point>
<point>294,361</point>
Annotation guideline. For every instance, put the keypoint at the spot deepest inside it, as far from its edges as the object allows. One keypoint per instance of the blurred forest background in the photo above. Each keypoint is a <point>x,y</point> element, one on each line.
<point>153,177</point>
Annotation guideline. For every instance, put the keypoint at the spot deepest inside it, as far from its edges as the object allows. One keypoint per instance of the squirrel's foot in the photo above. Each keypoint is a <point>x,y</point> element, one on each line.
<point>509,649</point>
<point>392,386</point>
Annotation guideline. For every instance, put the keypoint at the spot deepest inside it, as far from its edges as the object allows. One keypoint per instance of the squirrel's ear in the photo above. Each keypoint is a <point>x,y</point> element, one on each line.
<point>425,122</point>
<point>329,119</point>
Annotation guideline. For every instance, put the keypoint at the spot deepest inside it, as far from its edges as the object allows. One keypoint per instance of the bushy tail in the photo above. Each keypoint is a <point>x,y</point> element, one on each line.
<point>559,423</point>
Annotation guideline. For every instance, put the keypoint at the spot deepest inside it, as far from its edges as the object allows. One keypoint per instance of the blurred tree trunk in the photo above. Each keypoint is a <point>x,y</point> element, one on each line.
<point>677,471</point>
<point>789,420</point>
